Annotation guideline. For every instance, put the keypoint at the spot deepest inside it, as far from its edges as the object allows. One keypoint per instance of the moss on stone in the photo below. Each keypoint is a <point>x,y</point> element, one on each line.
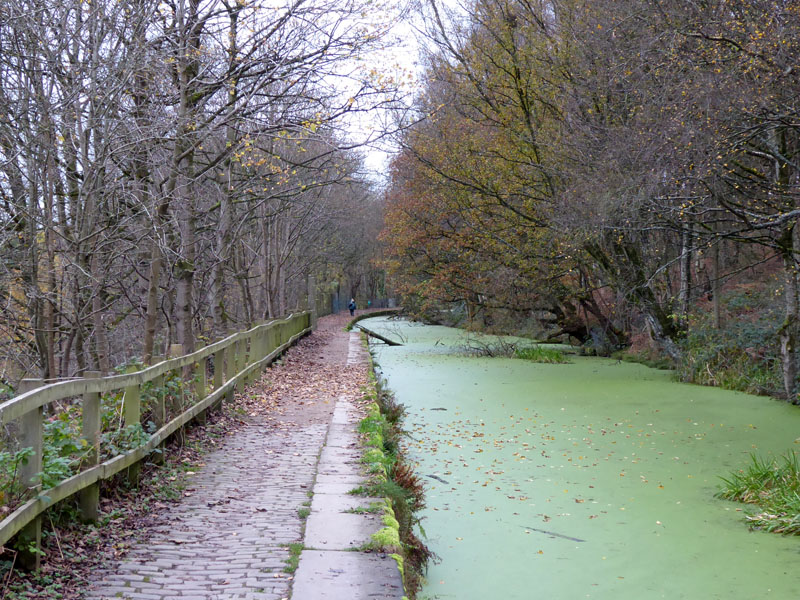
<point>400,565</point>
<point>386,539</point>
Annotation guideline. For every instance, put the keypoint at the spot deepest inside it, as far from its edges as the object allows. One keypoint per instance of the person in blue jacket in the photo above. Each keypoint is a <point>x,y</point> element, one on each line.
<point>352,306</point>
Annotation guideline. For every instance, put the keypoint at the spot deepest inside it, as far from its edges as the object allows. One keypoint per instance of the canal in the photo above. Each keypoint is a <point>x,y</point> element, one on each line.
<point>593,479</point>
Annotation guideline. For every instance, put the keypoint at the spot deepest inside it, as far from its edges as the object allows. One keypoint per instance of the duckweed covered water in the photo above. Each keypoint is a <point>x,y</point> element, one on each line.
<point>593,479</point>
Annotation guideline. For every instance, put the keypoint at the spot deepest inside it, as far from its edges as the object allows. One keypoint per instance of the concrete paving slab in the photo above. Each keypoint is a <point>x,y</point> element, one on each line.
<point>343,415</point>
<point>355,470</point>
<point>339,455</point>
<point>354,479</point>
<point>324,575</point>
<point>328,503</point>
<point>339,530</point>
<point>342,435</point>
<point>347,453</point>
<point>334,488</point>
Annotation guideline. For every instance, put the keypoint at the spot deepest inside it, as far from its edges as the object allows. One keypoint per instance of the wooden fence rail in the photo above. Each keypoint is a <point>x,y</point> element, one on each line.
<point>237,360</point>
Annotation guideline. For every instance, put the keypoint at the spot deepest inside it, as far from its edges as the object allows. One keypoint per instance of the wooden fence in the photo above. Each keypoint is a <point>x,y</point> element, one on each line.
<point>236,360</point>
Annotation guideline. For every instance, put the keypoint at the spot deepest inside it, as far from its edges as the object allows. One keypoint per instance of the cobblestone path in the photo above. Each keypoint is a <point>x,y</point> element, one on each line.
<point>229,537</point>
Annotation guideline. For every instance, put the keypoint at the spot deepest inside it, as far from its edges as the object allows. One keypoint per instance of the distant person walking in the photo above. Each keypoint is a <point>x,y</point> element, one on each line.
<point>352,306</point>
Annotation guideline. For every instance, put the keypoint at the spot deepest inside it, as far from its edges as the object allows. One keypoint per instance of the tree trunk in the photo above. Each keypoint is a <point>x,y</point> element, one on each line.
<point>151,316</point>
<point>788,331</point>
<point>686,271</point>
<point>185,268</point>
<point>100,338</point>
<point>716,285</point>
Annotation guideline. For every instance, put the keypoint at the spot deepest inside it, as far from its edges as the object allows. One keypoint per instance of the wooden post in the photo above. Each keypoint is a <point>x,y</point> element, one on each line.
<point>160,396</point>
<point>29,540</point>
<point>247,355</point>
<point>219,369</point>
<point>200,385</point>
<point>90,497</point>
<point>176,350</point>
<point>265,349</point>
<point>312,301</point>
<point>257,351</point>
<point>230,368</point>
<point>160,416</point>
<point>175,406</point>
<point>219,374</point>
<point>241,354</point>
<point>272,338</point>
<point>131,415</point>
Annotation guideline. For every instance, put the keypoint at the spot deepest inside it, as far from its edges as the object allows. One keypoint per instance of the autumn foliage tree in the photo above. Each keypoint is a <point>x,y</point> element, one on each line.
<point>604,153</point>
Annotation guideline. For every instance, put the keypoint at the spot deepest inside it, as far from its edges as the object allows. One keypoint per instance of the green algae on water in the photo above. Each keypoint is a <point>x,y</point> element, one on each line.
<point>538,456</point>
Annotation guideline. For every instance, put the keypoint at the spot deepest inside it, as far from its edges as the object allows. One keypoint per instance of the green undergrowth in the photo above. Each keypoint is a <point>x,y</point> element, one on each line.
<point>772,487</point>
<point>743,354</point>
<point>393,479</point>
<point>541,355</point>
<point>63,448</point>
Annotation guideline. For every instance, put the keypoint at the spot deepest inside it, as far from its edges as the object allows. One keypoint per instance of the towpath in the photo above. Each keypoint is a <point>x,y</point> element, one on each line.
<point>246,511</point>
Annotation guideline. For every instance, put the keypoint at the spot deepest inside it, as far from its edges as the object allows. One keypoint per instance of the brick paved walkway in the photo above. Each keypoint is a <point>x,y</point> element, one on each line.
<point>228,539</point>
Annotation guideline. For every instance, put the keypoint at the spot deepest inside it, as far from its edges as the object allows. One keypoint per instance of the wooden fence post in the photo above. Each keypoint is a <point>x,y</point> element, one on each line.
<point>175,406</point>
<point>160,395</point>
<point>90,497</point>
<point>131,415</point>
<point>263,336</point>
<point>219,374</point>
<point>247,355</point>
<point>31,433</point>
<point>160,410</point>
<point>256,352</point>
<point>272,338</point>
<point>241,354</point>
<point>312,301</point>
<point>230,368</point>
<point>201,384</point>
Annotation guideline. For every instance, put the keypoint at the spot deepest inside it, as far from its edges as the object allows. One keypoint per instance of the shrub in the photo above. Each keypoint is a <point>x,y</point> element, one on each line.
<point>743,355</point>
